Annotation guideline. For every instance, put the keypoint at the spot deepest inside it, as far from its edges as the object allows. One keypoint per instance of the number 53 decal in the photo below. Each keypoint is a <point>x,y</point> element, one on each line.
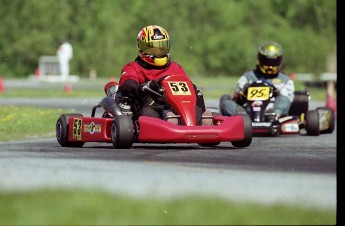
<point>77,129</point>
<point>179,88</point>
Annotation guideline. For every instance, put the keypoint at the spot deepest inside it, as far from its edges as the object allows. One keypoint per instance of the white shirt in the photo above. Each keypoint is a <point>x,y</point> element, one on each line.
<point>65,51</point>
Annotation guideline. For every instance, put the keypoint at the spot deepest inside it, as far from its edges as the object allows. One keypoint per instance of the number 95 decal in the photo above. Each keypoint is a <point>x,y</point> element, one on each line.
<point>258,93</point>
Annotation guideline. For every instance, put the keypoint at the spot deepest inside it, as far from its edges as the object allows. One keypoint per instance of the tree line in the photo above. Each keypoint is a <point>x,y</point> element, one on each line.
<point>208,38</point>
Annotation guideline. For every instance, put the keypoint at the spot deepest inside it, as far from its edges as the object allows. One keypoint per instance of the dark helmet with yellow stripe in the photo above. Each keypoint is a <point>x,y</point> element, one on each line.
<point>270,57</point>
<point>154,45</point>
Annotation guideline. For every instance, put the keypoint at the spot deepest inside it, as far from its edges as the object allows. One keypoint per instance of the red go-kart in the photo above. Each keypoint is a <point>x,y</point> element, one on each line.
<point>122,130</point>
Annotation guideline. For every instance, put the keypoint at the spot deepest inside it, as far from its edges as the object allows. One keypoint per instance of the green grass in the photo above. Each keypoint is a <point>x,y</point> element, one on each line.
<point>17,123</point>
<point>45,93</point>
<point>211,87</point>
<point>67,207</point>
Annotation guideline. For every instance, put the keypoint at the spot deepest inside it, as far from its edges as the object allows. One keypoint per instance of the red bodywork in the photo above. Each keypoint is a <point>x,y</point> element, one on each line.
<point>155,130</point>
<point>179,93</point>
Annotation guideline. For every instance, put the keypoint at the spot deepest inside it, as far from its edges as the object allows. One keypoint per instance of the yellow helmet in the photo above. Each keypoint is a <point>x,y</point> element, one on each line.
<point>153,44</point>
<point>270,57</point>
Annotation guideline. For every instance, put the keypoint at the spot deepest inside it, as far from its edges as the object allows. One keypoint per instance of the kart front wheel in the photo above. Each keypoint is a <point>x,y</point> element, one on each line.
<point>62,130</point>
<point>248,133</point>
<point>122,132</point>
<point>327,119</point>
<point>312,123</point>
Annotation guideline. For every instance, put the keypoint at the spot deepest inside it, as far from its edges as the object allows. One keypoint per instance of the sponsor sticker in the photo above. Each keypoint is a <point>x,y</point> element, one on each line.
<point>261,124</point>
<point>324,119</point>
<point>291,127</point>
<point>92,128</point>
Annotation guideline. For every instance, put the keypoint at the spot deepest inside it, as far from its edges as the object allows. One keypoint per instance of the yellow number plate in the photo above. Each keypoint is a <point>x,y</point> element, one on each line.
<point>179,88</point>
<point>258,93</point>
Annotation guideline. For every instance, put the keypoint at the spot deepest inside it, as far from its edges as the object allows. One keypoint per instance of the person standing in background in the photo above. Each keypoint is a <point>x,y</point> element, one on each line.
<point>64,54</point>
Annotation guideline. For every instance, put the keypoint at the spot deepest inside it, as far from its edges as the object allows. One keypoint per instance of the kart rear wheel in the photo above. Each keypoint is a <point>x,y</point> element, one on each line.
<point>248,133</point>
<point>62,130</point>
<point>225,97</point>
<point>312,123</point>
<point>329,116</point>
<point>122,132</point>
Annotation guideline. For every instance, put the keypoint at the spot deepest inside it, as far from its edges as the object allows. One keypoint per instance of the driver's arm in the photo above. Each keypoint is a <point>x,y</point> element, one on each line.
<point>241,84</point>
<point>287,90</point>
<point>200,102</point>
<point>284,99</point>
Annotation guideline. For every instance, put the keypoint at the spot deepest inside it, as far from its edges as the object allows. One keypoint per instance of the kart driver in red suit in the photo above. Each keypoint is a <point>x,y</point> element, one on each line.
<point>153,63</point>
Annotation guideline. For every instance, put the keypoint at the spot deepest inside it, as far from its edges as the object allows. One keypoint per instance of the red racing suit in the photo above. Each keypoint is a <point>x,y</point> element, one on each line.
<point>139,72</point>
<point>133,71</point>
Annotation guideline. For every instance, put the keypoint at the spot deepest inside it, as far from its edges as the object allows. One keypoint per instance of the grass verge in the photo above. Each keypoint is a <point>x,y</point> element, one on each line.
<point>212,87</point>
<point>19,123</point>
<point>66,207</point>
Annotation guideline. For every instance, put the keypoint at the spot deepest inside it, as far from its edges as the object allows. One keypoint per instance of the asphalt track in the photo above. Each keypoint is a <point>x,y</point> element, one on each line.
<point>292,169</point>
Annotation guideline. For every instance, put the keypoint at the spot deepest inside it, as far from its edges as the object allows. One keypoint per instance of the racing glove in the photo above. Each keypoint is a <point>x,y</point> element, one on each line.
<point>235,96</point>
<point>151,89</point>
<point>130,89</point>
<point>155,85</point>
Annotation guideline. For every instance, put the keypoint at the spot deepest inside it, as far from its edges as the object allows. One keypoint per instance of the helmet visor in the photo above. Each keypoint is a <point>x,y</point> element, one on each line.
<point>265,61</point>
<point>155,48</point>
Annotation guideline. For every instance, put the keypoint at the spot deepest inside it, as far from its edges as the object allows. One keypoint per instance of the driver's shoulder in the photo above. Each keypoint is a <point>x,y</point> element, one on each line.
<point>175,66</point>
<point>250,75</point>
<point>283,76</point>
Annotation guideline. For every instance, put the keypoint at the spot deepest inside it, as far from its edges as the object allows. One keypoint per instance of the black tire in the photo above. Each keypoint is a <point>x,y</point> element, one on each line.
<point>312,123</point>
<point>300,103</point>
<point>122,132</point>
<point>248,133</point>
<point>225,97</point>
<point>62,130</point>
<point>330,117</point>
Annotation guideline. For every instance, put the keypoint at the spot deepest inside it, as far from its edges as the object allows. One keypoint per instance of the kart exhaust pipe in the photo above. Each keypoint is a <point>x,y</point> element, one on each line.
<point>110,106</point>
